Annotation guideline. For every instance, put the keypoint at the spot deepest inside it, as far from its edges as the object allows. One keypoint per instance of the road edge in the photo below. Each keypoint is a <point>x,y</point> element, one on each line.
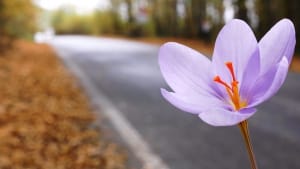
<point>128,133</point>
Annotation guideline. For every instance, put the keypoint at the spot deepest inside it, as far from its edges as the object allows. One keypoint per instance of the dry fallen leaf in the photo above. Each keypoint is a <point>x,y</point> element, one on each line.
<point>45,120</point>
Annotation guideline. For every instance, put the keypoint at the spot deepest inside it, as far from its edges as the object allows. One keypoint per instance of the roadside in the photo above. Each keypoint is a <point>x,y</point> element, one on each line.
<point>45,120</point>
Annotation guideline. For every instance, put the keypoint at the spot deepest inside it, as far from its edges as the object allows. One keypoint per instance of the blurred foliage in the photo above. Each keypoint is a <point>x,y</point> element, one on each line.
<point>66,21</point>
<point>17,20</point>
<point>107,22</point>
<point>143,18</point>
<point>198,19</point>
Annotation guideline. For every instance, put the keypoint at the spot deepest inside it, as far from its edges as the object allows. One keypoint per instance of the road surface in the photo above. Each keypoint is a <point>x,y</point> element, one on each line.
<point>127,73</point>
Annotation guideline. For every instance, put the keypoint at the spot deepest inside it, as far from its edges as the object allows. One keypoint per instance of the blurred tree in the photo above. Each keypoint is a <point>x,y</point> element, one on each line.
<point>58,20</point>
<point>266,12</point>
<point>129,11</point>
<point>116,23</point>
<point>2,21</point>
<point>66,21</point>
<point>269,12</point>
<point>241,11</point>
<point>106,23</point>
<point>133,29</point>
<point>215,16</point>
<point>17,20</point>
<point>195,18</point>
<point>156,16</point>
<point>171,17</point>
<point>164,16</point>
<point>292,8</point>
<point>201,19</point>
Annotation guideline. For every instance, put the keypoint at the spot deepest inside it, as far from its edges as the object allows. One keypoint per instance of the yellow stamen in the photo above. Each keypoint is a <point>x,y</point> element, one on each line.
<point>232,89</point>
<point>237,103</point>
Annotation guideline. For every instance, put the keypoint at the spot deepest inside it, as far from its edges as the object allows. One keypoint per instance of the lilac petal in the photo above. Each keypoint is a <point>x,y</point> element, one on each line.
<point>278,42</point>
<point>223,117</point>
<point>194,105</point>
<point>269,83</point>
<point>250,75</point>
<point>186,71</point>
<point>235,43</point>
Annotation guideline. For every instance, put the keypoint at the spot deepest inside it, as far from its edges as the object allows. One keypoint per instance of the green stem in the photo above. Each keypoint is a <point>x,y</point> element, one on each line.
<point>245,133</point>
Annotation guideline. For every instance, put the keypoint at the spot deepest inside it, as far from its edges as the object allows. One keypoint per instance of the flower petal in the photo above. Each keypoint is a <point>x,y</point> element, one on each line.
<point>278,42</point>
<point>191,104</point>
<point>186,71</point>
<point>250,75</point>
<point>269,83</point>
<point>223,117</point>
<point>235,43</point>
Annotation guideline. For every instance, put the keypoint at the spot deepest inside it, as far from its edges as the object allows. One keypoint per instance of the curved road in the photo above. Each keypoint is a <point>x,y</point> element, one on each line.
<point>128,74</point>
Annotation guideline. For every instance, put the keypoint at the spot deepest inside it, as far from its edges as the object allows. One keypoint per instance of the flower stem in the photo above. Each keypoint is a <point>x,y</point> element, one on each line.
<point>245,133</point>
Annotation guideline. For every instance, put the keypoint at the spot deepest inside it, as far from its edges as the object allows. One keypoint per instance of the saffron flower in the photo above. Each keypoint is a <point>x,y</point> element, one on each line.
<point>242,74</point>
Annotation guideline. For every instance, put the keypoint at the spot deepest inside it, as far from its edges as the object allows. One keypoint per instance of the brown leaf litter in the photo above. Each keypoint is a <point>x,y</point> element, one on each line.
<point>45,120</point>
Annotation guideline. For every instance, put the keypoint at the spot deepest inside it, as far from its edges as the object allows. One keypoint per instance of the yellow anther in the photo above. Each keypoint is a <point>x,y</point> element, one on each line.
<point>232,89</point>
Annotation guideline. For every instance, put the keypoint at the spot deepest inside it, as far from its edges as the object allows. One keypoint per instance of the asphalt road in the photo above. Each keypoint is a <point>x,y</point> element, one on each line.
<point>128,74</point>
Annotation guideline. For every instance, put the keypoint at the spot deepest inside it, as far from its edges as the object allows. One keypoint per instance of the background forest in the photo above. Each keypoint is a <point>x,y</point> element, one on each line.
<point>197,19</point>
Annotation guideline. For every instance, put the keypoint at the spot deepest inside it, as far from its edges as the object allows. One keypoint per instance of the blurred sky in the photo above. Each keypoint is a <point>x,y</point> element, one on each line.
<point>81,6</point>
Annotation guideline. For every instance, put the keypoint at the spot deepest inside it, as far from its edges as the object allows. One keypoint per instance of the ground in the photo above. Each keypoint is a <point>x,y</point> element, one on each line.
<point>45,120</point>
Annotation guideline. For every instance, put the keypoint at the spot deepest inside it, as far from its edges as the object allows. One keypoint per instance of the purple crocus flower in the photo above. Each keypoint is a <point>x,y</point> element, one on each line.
<point>241,74</point>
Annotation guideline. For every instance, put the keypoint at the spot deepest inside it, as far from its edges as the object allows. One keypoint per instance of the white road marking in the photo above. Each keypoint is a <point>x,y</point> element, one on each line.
<point>129,134</point>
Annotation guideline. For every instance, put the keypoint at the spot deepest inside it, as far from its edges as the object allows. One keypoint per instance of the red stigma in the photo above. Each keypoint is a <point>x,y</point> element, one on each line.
<point>219,80</point>
<point>230,68</point>
<point>232,88</point>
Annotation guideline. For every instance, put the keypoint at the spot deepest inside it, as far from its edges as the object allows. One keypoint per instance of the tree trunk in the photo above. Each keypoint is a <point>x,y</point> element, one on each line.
<point>195,16</point>
<point>242,11</point>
